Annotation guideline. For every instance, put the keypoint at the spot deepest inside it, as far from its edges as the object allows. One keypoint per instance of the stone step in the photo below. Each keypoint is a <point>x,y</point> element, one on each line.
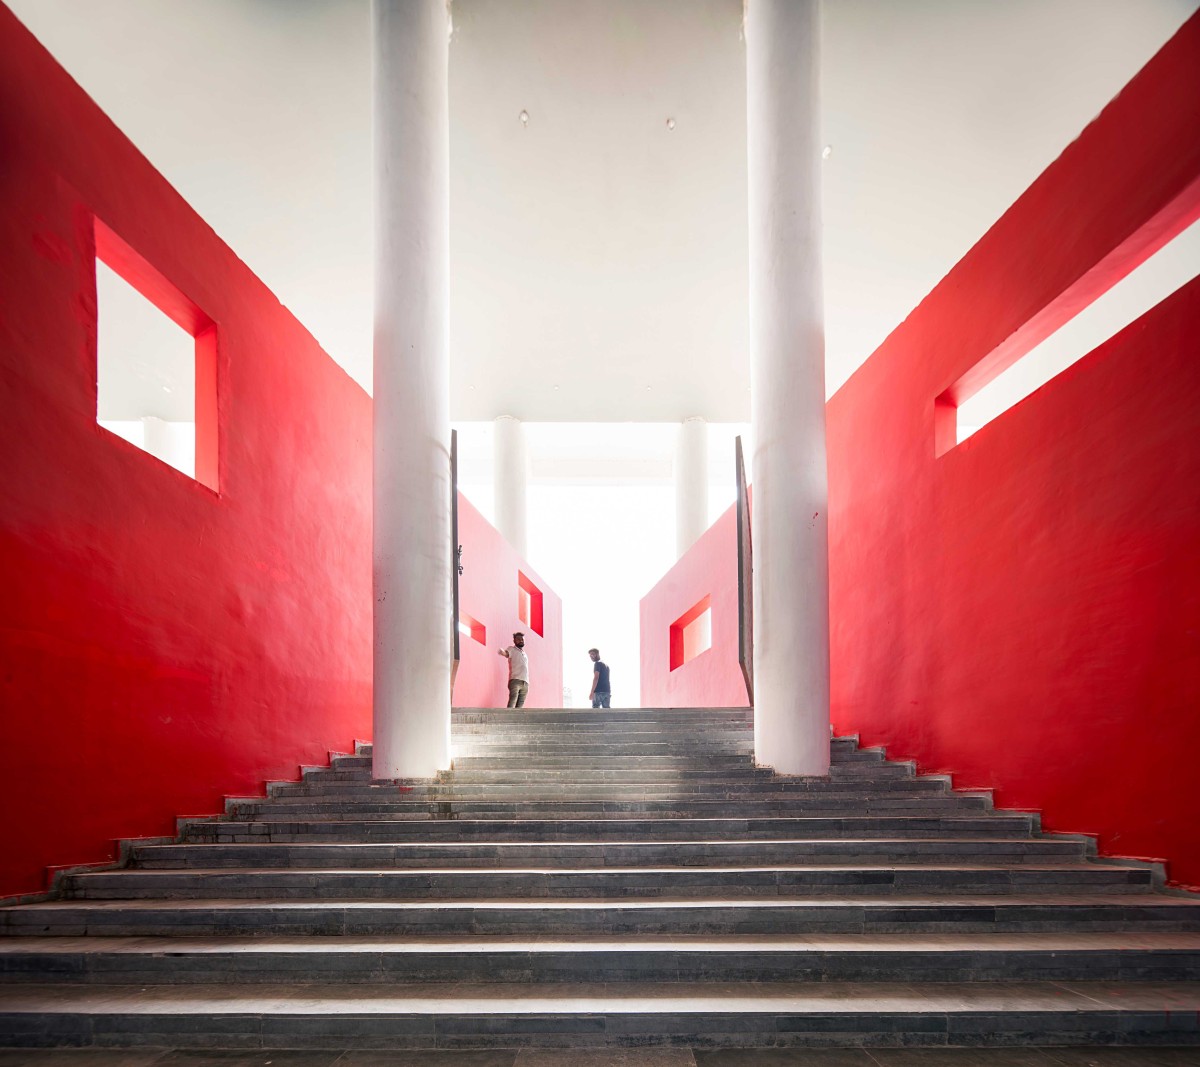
<point>479,807</point>
<point>733,790</point>
<point>613,827</point>
<point>590,916</point>
<point>707,1015</point>
<point>944,957</point>
<point>632,882</point>
<point>633,853</point>
<point>696,717</point>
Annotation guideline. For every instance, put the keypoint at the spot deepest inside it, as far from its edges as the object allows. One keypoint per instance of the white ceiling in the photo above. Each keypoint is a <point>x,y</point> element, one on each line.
<point>598,257</point>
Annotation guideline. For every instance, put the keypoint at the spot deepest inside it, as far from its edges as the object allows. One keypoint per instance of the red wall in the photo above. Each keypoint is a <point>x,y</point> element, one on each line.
<point>714,678</point>
<point>162,646</point>
<point>1024,611</point>
<point>488,593</point>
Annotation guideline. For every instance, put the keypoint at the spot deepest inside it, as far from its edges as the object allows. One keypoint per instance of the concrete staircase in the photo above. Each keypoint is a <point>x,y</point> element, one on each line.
<point>623,877</point>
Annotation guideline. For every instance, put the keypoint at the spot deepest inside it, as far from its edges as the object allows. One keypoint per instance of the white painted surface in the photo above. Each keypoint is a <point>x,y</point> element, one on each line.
<point>791,565</point>
<point>412,551</point>
<point>691,483</point>
<point>594,249</point>
<point>172,442</point>
<point>510,477</point>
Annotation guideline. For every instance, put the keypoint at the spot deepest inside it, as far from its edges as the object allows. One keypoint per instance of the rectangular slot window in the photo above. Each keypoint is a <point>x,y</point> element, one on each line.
<point>472,628</point>
<point>1158,276</point>
<point>529,603</point>
<point>691,633</point>
<point>155,362</point>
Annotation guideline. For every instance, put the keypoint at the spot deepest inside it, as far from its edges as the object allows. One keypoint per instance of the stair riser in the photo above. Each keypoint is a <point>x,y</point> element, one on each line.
<point>550,1030</point>
<point>596,809</point>
<point>709,921</point>
<point>609,828</point>
<point>611,854</point>
<point>523,785</point>
<point>466,884</point>
<point>578,965</point>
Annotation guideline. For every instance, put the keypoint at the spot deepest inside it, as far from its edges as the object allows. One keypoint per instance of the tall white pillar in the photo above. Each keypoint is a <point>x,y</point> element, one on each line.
<point>412,551</point>
<point>790,527</point>
<point>691,483</point>
<point>510,467</point>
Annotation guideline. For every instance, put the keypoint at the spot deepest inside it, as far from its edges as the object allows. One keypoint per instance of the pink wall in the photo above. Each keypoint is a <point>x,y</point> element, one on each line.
<point>162,645</point>
<point>488,593</point>
<point>714,678</point>
<point>1023,611</point>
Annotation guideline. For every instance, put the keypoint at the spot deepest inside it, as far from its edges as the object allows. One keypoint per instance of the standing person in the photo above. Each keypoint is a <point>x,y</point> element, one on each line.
<point>518,671</point>
<point>601,694</point>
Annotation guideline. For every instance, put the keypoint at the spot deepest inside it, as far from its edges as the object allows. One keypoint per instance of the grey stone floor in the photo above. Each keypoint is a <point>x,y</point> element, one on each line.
<point>934,1057</point>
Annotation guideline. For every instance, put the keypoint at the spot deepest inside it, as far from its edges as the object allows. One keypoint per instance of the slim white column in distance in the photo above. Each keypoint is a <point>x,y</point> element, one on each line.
<point>691,483</point>
<point>789,477</point>
<point>510,476</point>
<point>412,551</point>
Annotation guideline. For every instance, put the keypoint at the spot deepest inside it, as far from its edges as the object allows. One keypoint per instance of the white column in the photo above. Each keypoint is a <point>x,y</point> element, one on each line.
<point>510,467</point>
<point>790,530</point>
<point>412,389</point>
<point>691,483</point>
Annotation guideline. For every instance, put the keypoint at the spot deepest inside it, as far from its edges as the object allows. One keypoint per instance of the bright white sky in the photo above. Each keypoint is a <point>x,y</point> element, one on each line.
<point>601,547</point>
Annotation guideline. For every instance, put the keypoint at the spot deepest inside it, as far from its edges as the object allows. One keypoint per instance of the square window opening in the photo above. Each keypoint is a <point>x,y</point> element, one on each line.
<point>155,362</point>
<point>691,633</point>
<point>529,603</point>
<point>472,628</point>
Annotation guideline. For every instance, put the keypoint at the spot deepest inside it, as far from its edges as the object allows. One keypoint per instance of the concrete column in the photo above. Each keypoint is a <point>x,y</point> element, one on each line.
<point>790,530</point>
<point>412,550</point>
<point>691,483</point>
<point>510,475</point>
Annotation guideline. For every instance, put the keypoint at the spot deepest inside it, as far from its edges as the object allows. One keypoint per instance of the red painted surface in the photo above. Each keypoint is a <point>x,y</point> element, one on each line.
<point>162,645</point>
<point>713,679</point>
<point>489,591</point>
<point>1025,610</point>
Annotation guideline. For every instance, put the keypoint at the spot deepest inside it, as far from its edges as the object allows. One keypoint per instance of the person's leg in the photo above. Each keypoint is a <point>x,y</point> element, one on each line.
<point>522,689</point>
<point>596,700</point>
<point>605,699</point>
<point>513,689</point>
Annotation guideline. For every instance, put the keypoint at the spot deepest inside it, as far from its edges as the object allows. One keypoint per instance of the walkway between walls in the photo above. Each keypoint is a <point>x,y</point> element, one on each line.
<point>607,879</point>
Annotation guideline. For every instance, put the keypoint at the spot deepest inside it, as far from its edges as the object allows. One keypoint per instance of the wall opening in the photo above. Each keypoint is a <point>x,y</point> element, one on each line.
<point>155,362</point>
<point>472,628</point>
<point>691,633</point>
<point>969,406</point>
<point>529,603</point>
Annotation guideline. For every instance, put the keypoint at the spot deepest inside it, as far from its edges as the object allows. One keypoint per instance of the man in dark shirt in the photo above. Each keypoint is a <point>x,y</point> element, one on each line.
<point>601,694</point>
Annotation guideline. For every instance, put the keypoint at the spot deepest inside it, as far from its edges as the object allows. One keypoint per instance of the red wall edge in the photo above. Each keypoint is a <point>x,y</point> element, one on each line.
<point>488,593</point>
<point>714,678</point>
<point>161,645</point>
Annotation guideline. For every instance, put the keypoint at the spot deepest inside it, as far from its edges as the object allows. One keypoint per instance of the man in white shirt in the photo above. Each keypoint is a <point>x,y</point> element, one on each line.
<point>518,671</point>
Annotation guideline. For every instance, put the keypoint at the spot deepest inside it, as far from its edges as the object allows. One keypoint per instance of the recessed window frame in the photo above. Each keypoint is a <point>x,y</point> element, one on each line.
<point>691,634</point>
<point>137,272</point>
<point>530,604</point>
